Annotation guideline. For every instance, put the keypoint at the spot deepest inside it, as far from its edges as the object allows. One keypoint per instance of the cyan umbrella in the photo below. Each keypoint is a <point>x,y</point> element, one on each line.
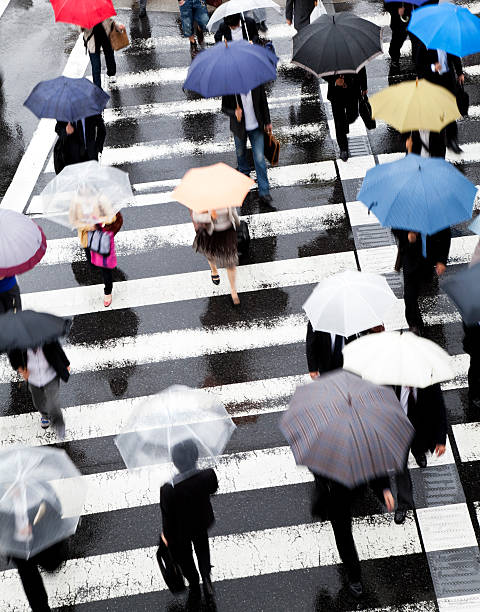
<point>446,26</point>
<point>231,68</point>
<point>66,99</point>
<point>414,2</point>
<point>475,225</point>
<point>464,290</point>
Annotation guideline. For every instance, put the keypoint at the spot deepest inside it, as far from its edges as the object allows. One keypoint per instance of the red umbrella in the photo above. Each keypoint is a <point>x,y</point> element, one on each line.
<point>84,13</point>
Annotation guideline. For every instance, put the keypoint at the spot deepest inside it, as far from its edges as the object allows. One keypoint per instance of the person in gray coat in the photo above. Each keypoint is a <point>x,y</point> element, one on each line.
<point>299,11</point>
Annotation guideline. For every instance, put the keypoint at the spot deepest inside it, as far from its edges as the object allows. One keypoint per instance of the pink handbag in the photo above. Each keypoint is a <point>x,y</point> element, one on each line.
<point>102,261</point>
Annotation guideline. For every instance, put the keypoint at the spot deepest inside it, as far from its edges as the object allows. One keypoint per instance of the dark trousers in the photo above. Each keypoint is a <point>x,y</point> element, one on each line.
<point>32,584</point>
<point>474,376</point>
<point>342,529</point>
<point>399,35</point>
<point>416,271</point>
<point>345,111</point>
<point>107,274</point>
<point>184,557</point>
<point>404,488</point>
<point>10,300</point>
<point>96,63</point>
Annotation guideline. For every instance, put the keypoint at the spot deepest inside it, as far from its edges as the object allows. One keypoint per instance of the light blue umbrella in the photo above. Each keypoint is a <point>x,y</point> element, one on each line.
<point>445,26</point>
<point>475,225</point>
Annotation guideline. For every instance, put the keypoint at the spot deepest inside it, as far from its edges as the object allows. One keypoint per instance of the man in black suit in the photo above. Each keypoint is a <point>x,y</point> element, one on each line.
<point>187,515</point>
<point>471,345</point>
<point>426,411</point>
<point>78,142</point>
<point>236,28</point>
<point>299,12</point>
<point>324,351</point>
<point>442,69</point>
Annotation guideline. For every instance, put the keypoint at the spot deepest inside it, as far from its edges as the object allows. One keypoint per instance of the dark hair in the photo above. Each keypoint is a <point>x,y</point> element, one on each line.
<point>232,20</point>
<point>185,455</point>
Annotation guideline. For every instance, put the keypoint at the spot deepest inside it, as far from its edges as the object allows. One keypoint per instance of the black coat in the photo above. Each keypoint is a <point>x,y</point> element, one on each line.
<point>471,340</point>
<point>260,106</point>
<point>438,246</point>
<point>72,149</point>
<point>429,418</point>
<point>320,357</point>
<point>186,507</point>
<point>299,12</point>
<point>224,31</point>
<point>436,145</point>
<point>355,84</point>
<point>54,354</point>
<point>424,60</point>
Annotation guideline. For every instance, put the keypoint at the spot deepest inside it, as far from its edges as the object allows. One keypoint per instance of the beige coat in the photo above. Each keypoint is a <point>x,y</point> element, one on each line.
<point>88,37</point>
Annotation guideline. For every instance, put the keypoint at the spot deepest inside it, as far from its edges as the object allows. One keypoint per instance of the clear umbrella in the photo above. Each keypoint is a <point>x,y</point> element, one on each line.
<point>85,194</point>
<point>41,499</point>
<point>239,6</point>
<point>177,415</point>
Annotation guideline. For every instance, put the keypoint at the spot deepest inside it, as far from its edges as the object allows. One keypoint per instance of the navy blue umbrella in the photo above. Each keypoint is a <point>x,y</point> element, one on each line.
<point>236,68</point>
<point>66,99</point>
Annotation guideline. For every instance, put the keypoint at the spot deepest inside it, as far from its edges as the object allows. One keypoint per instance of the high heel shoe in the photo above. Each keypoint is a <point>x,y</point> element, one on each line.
<point>215,279</point>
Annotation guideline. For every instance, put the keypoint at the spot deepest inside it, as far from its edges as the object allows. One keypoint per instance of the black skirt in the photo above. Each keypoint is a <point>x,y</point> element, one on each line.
<point>220,247</point>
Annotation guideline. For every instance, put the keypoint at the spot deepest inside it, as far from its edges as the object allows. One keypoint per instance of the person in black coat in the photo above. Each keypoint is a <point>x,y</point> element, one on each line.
<point>299,12</point>
<point>78,144</point>
<point>344,91</point>
<point>232,22</point>
<point>471,345</point>
<point>324,351</point>
<point>400,13</point>
<point>332,501</point>
<point>442,69</point>
<point>417,269</point>
<point>187,514</point>
<point>427,413</point>
<point>427,144</point>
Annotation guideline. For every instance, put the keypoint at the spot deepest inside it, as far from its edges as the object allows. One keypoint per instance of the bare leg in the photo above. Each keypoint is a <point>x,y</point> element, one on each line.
<point>231,273</point>
<point>213,267</point>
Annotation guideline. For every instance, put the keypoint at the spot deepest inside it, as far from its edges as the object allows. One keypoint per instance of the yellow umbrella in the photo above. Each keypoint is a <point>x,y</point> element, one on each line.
<point>415,105</point>
<point>212,187</point>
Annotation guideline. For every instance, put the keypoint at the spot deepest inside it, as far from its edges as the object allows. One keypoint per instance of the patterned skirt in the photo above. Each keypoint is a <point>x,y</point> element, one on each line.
<point>220,247</point>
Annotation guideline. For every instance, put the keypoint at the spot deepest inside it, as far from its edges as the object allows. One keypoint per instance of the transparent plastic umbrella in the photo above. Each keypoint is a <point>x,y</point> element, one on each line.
<point>239,6</point>
<point>175,415</point>
<point>41,499</point>
<point>85,194</point>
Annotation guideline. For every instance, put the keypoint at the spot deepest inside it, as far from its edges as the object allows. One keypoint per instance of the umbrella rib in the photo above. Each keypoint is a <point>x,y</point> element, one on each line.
<point>211,453</point>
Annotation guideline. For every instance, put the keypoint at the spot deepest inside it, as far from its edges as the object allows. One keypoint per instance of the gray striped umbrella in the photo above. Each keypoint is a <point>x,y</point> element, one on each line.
<point>347,429</point>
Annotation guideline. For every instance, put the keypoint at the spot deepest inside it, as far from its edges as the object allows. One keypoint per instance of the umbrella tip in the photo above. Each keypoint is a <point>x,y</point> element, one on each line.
<point>416,81</point>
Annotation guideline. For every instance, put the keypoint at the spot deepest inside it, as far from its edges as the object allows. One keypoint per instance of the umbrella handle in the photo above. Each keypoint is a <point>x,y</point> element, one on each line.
<point>239,108</point>
<point>246,29</point>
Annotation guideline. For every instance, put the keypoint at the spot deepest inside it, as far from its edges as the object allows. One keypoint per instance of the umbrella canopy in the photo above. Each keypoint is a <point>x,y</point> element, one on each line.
<point>29,329</point>
<point>347,429</point>
<point>173,417</point>
<point>464,289</point>
<point>211,187</point>
<point>396,358</point>
<point>85,194</point>
<point>418,194</point>
<point>232,7</point>
<point>84,13</point>
<point>41,499</point>
<point>414,2</point>
<point>66,99</point>
<point>447,26</point>
<point>349,302</point>
<point>231,68</point>
<point>475,225</point>
<point>22,243</point>
<point>415,105</point>
<point>335,44</point>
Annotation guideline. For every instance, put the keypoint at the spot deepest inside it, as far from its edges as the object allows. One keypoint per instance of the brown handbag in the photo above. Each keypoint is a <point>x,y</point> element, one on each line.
<point>118,40</point>
<point>271,148</point>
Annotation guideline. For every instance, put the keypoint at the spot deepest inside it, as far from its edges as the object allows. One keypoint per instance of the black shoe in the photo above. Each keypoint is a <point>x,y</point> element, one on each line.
<point>194,597</point>
<point>266,199</point>
<point>262,26</point>
<point>454,146</point>
<point>355,588</point>
<point>400,516</point>
<point>208,589</point>
<point>421,461</point>
<point>344,154</point>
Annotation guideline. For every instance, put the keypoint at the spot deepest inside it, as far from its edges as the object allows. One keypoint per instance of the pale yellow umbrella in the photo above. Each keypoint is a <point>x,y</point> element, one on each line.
<point>212,187</point>
<point>415,105</point>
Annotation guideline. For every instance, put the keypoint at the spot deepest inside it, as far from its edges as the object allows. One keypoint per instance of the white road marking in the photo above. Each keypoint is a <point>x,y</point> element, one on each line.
<point>467,437</point>
<point>3,6</point>
<point>446,527</point>
<point>460,603</point>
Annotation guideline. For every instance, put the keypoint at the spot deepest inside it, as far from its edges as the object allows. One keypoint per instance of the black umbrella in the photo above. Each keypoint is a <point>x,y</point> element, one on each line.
<point>335,44</point>
<point>464,290</point>
<point>28,329</point>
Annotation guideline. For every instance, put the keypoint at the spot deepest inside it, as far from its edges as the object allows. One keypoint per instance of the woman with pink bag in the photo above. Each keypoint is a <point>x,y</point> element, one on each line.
<point>107,262</point>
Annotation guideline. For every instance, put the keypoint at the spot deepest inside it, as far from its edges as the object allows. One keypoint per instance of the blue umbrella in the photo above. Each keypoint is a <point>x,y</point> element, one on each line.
<point>414,2</point>
<point>66,99</point>
<point>419,194</point>
<point>235,68</point>
<point>475,225</point>
<point>447,26</point>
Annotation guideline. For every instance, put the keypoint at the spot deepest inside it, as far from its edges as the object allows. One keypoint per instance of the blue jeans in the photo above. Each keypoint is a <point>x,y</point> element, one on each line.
<point>97,64</point>
<point>256,140</point>
<point>190,11</point>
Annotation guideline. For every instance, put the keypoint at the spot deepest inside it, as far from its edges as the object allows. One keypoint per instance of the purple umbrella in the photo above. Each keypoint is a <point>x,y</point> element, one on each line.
<point>22,243</point>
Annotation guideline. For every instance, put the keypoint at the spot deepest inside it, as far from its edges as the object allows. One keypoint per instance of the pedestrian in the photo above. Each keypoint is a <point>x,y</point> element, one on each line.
<point>332,501</point>
<point>97,38</point>
<point>190,11</point>
<point>260,17</point>
<point>400,13</point>
<point>427,144</point>
<point>216,238</point>
<point>9,294</point>
<point>187,514</point>
<point>344,91</point>
<point>143,8</point>
<point>78,142</point>
<point>250,117</point>
<point>418,269</point>
<point>446,70</point>
<point>234,27</point>
<point>298,12</point>
<point>426,411</point>
<point>324,351</point>
<point>43,367</point>
<point>471,345</point>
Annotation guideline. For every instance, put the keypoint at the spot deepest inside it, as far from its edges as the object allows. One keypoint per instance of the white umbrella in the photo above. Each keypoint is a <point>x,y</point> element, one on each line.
<point>396,358</point>
<point>239,6</point>
<point>349,302</point>
<point>178,414</point>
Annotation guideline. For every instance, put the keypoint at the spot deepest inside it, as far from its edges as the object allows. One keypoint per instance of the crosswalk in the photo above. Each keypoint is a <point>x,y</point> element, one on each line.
<point>169,324</point>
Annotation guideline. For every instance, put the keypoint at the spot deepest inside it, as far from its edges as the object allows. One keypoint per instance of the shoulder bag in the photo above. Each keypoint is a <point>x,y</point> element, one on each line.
<point>118,40</point>
<point>463,100</point>
<point>99,242</point>
<point>365,111</point>
<point>271,148</point>
<point>243,238</point>
<point>171,572</point>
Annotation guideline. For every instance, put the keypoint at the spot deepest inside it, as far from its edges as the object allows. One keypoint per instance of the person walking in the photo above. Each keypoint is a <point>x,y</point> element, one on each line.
<point>324,351</point>
<point>187,514</point>
<point>250,117</point>
<point>400,13</point>
<point>426,411</point>
<point>43,367</point>
<point>298,12</point>
<point>97,38</point>
<point>216,238</point>
<point>344,91</point>
<point>471,345</point>
<point>9,294</point>
<point>234,27</point>
<point>107,262</point>
<point>193,11</point>
<point>78,142</point>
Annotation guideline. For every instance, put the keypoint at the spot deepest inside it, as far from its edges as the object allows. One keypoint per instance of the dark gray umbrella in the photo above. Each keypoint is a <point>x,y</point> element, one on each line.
<point>347,429</point>
<point>28,329</point>
<point>464,290</point>
<point>333,44</point>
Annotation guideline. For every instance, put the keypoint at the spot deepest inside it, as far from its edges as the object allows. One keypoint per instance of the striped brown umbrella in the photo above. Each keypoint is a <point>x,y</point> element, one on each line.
<point>347,429</point>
